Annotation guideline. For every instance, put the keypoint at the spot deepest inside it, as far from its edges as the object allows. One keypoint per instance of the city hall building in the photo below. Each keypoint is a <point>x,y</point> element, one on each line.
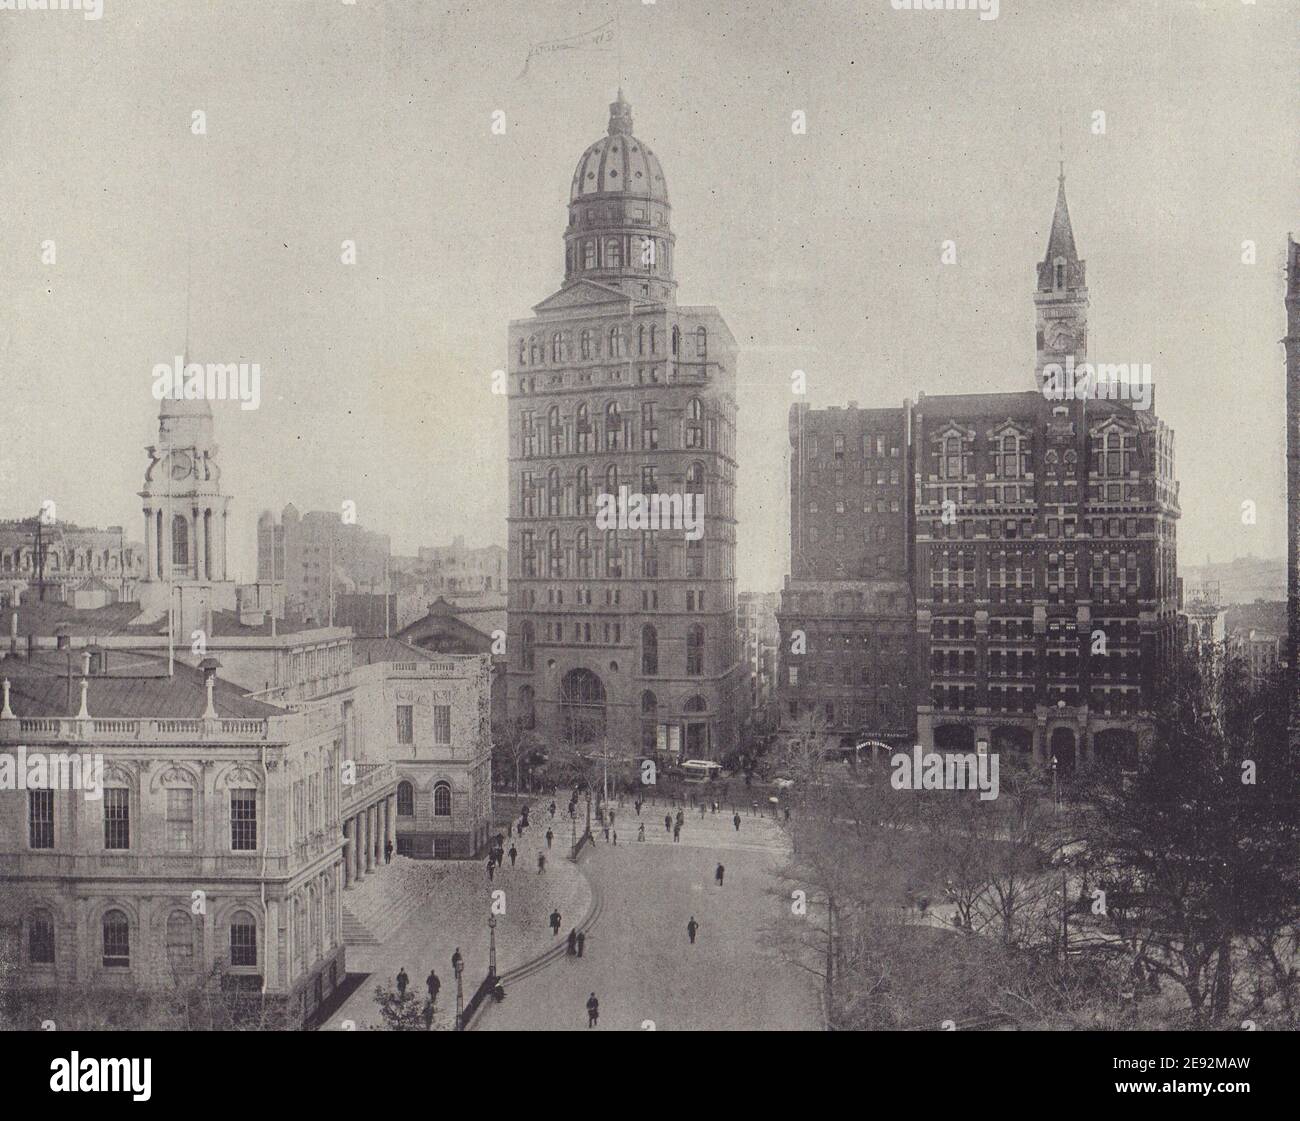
<point>622,634</point>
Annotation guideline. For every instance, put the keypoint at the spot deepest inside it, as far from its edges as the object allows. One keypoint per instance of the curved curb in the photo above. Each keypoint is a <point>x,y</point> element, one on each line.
<point>549,957</point>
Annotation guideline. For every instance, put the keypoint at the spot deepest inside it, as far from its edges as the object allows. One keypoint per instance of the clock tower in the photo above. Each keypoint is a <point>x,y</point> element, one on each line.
<point>185,515</point>
<point>1061,296</point>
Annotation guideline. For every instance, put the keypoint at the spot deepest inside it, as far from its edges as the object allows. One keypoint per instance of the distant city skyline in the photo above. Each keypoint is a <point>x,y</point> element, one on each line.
<point>822,260</point>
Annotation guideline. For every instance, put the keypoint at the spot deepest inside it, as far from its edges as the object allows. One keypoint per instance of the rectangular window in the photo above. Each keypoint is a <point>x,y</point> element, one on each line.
<point>243,819</point>
<point>442,723</point>
<point>180,819</point>
<point>117,818</point>
<point>405,724</point>
<point>40,819</point>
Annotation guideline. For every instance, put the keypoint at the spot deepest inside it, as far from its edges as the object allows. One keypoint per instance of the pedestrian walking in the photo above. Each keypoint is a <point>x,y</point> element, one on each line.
<point>555,922</point>
<point>551,807</point>
<point>492,867</point>
<point>702,809</point>
<point>640,832</point>
<point>638,807</point>
<point>573,943</point>
<point>593,1010</point>
<point>611,819</point>
<point>677,834</point>
<point>668,823</point>
<point>582,941</point>
<point>433,985</point>
<point>388,852</point>
<point>615,836</point>
<point>735,820</point>
<point>514,852</point>
<point>402,981</point>
<point>753,808</point>
<point>549,838</point>
<point>605,830</point>
<point>691,928</point>
<point>457,961</point>
<point>718,874</point>
<point>541,862</point>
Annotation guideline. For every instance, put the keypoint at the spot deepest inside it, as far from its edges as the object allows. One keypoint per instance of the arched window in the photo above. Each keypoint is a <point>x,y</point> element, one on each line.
<point>553,492</point>
<point>180,540</point>
<point>526,642</point>
<point>523,352</point>
<point>554,557</point>
<point>695,480</point>
<point>640,339</point>
<point>649,651</point>
<point>442,800</point>
<point>117,940</point>
<point>582,492</point>
<point>532,350</point>
<point>584,553</point>
<point>586,346</point>
<point>695,423</point>
<point>654,339</point>
<point>613,427</point>
<point>40,938</point>
<point>243,939</point>
<point>613,253</point>
<point>611,480</point>
<point>554,430</point>
<point>613,558</point>
<point>527,708</point>
<point>677,339</point>
<point>589,254</point>
<point>405,799</point>
<point>180,940</point>
<point>695,651</point>
<point>701,342</point>
<point>616,342</point>
<point>557,348</point>
<point>582,428</point>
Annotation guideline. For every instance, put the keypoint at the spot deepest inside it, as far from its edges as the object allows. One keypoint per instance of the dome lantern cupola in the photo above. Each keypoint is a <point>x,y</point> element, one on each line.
<point>619,230</point>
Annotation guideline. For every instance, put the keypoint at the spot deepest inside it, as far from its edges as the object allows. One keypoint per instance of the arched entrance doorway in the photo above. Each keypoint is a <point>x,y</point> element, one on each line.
<point>1063,750</point>
<point>582,706</point>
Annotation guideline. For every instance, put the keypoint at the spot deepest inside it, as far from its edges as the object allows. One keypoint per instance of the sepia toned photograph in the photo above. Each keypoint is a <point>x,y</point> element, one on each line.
<point>650,516</point>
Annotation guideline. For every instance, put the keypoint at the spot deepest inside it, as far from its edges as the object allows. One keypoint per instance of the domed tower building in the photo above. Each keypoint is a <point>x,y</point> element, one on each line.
<point>622,484</point>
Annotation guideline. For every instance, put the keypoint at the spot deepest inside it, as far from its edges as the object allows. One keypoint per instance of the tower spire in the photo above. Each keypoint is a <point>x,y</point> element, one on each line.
<point>1061,241</point>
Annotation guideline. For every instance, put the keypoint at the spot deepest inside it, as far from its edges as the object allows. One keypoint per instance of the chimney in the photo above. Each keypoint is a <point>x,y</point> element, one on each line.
<point>6,713</point>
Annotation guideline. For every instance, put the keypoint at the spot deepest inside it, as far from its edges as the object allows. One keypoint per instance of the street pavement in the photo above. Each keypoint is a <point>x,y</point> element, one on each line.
<point>638,958</point>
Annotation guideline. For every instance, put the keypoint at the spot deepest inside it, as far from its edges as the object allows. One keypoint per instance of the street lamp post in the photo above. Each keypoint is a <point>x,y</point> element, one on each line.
<point>492,947</point>
<point>460,994</point>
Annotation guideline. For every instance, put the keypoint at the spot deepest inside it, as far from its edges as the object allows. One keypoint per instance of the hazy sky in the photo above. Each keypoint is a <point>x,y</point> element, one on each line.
<point>329,121</point>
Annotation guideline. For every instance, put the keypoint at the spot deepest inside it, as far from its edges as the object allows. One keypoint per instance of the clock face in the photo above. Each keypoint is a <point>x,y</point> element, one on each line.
<point>1061,335</point>
<point>182,466</point>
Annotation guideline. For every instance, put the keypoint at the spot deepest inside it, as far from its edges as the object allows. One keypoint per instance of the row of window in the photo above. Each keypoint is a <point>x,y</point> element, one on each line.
<point>558,499</point>
<point>183,931</point>
<point>532,351</point>
<point>873,444</point>
<point>613,557</point>
<point>406,799</point>
<point>178,819</point>
<point>558,436</point>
